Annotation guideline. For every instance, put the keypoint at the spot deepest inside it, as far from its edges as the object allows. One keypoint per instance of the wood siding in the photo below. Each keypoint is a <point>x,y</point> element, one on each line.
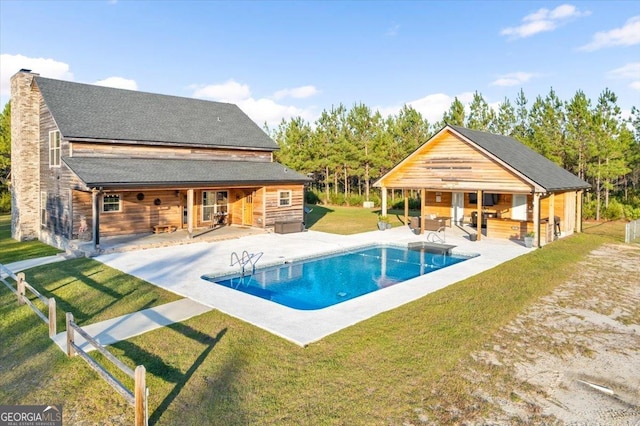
<point>139,216</point>
<point>88,149</point>
<point>449,163</point>
<point>54,181</point>
<point>274,212</point>
<point>516,229</point>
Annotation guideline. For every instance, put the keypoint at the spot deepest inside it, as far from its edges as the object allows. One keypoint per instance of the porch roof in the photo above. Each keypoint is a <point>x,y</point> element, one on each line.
<point>133,172</point>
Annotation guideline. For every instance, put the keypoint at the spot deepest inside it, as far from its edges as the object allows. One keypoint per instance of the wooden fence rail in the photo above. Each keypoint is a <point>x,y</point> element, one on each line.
<point>23,285</point>
<point>137,397</point>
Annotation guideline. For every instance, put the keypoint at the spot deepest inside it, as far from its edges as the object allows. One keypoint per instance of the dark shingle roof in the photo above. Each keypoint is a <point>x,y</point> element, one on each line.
<point>126,172</point>
<point>523,159</point>
<point>93,112</point>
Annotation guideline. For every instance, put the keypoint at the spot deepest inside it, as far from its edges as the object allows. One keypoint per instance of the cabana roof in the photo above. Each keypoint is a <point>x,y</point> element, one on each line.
<point>470,160</point>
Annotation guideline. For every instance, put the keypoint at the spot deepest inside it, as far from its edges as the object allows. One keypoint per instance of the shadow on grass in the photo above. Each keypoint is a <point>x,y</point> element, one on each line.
<point>315,213</point>
<point>155,365</point>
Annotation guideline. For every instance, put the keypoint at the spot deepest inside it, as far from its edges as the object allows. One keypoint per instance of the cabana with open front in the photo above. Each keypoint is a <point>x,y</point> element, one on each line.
<point>494,182</point>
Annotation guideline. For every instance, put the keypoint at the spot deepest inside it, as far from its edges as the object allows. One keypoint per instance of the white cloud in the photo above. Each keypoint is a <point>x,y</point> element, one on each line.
<point>631,70</point>
<point>296,92</point>
<point>512,79</point>
<point>266,110</point>
<point>118,83</point>
<point>260,110</point>
<point>46,67</point>
<point>627,72</point>
<point>431,107</point>
<point>563,12</point>
<point>627,35</point>
<point>544,20</point>
<point>393,30</point>
<point>230,91</point>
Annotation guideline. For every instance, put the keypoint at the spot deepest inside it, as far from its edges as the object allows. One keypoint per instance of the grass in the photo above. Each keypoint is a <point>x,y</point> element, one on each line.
<point>215,369</point>
<point>12,250</point>
<point>349,220</point>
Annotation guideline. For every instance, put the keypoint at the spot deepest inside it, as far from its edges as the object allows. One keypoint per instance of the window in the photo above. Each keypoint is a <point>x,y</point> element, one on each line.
<point>284,198</point>
<point>214,203</point>
<point>54,148</point>
<point>111,203</point>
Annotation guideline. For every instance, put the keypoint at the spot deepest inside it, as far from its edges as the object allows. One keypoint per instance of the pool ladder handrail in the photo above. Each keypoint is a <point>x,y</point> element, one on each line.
<point>246,259</point>
<point>434,237</point>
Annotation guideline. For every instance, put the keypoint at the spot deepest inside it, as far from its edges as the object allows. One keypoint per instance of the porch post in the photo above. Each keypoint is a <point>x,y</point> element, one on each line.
<point>479,214</point>
<point>578,211</point>
<point>384,201</point>
<point>95,211</point>
<point>406,206</point>
<point>423,210</point>
<point>552,218</point>
<point>536,218</point>
<point>190,213</point>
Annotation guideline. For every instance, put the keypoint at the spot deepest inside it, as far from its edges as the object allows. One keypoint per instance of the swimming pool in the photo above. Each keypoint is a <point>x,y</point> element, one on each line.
<point>325,281</point>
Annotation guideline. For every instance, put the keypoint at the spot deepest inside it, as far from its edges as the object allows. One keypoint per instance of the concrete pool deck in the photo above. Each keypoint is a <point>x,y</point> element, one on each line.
<point>179,270</point>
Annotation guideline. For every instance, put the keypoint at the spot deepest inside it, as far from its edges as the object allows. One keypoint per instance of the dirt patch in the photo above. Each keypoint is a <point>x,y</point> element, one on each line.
<point>573,357</point>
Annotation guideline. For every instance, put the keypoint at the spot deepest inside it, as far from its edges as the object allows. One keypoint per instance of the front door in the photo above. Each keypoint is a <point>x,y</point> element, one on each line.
<point>247,209</point>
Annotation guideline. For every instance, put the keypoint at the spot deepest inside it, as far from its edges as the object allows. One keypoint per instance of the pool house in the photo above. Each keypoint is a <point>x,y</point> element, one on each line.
<point>492,182</point>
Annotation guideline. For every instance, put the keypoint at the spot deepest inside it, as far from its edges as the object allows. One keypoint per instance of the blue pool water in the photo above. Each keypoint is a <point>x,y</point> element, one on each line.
<point>325,281</point>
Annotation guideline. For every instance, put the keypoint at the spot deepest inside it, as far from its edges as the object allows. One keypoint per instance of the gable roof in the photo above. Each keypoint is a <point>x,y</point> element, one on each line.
<point>84,111</point>
<point>136,172</point>
<point>524,160</point>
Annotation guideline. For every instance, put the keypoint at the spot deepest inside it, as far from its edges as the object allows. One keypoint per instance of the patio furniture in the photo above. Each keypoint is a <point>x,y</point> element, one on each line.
<point>163,228</point>
<point>430,224</point>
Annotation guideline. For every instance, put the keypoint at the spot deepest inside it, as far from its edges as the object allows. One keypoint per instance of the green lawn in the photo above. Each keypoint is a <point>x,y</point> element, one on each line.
<point>12,250</point>
<point>215,369</point>
<point>349,220</point>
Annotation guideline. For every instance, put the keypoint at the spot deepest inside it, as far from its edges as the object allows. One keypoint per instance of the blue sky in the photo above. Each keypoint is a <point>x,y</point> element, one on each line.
<point>282,59</point>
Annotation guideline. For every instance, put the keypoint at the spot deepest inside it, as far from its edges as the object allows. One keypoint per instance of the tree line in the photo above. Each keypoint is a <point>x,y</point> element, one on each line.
<point>346,150</point>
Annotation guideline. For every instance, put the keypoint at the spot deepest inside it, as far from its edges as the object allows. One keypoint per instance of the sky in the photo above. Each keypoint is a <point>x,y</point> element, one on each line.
<point>282,59</point>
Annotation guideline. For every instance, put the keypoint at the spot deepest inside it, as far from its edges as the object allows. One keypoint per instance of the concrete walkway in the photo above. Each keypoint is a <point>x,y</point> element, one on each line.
<point>16,267</point>
<point>130,325</point>
<point>125,326</point>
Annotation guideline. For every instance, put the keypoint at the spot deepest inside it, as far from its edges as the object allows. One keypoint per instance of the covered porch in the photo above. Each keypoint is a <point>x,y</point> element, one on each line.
<point>491,182</point>
<point>493,214</point>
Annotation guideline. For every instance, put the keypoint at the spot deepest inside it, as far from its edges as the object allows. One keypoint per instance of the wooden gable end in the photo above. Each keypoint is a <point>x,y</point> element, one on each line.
<point>449,163</point>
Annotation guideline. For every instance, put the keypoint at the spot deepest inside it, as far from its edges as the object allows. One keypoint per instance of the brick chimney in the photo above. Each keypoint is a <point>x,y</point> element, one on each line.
<point>25,156</point>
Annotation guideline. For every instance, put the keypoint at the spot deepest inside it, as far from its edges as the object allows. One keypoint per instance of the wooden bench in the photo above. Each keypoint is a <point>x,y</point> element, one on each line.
<point>162,228</point>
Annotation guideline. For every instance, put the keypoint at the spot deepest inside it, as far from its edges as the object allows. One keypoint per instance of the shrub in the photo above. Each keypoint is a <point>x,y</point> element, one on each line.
<point>631,213</point>
<point>311,197</point>
<point>5,202</point>
<point>414,204</point>
<point>614,210</point>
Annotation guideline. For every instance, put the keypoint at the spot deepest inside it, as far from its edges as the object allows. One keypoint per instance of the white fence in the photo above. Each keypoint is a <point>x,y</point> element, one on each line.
<point>632,231</point>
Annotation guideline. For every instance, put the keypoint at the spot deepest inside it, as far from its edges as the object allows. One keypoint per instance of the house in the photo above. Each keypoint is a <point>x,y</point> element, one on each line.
<point>490,181</point>
<point>90,162</point>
